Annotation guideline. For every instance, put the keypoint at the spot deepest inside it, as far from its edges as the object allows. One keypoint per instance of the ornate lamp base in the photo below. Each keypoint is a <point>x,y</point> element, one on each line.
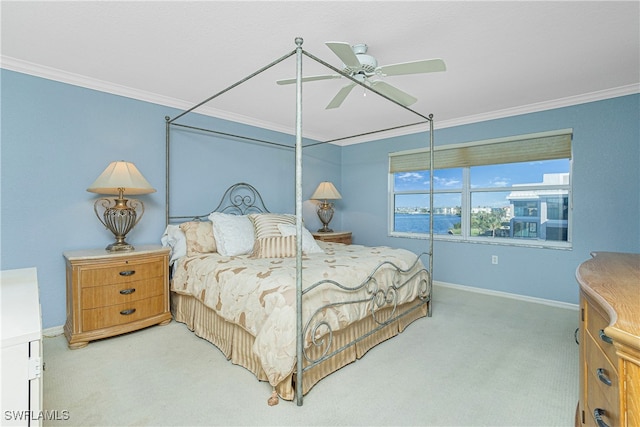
<point>119,218</point>
<point>119,247</point>
<point>325,213</point>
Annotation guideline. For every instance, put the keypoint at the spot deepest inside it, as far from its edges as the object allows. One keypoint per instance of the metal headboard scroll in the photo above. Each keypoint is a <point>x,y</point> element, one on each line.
<point>239,199</point>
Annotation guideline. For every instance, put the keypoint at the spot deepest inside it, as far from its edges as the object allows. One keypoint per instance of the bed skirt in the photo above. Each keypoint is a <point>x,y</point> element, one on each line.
<point>236,343</point>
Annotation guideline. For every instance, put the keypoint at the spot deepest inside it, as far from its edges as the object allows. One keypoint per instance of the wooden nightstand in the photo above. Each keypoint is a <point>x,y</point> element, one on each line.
<point>335,237</point>
<point>112,293</point>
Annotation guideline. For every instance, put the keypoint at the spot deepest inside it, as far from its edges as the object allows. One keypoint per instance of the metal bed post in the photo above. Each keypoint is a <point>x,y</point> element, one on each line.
<point>299,340</point>
<point>166,166</point>
<point>431,210</point>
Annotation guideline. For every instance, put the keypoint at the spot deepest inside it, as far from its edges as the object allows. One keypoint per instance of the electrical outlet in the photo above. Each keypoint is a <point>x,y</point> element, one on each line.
<point>494,259</point>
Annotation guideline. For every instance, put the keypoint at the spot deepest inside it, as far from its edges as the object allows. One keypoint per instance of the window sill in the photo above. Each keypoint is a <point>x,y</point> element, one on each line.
<point>488,241</point>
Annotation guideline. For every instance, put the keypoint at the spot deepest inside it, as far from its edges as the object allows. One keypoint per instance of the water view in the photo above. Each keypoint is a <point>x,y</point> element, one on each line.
<point>419,223</point>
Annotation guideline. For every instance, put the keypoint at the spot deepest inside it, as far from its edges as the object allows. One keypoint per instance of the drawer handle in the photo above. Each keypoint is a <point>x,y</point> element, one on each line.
<point>602,376</point>
<point>128,311</point>
<point>604,337</point>
<point>128,273</point>
<point>598,414</point>
<point>128,291</point>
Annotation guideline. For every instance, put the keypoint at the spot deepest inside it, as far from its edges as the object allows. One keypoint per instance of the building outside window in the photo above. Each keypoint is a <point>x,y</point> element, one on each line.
<point>483,199</point>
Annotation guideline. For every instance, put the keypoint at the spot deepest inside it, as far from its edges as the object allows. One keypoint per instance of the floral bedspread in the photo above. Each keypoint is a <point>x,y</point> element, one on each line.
<point>260,294</point>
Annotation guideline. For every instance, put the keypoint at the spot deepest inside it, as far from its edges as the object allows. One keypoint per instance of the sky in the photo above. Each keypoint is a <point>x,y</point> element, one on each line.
<point>492,176</point>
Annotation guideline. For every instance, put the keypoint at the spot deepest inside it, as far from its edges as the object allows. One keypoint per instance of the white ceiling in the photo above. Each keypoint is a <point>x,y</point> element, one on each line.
<point>503,57</point>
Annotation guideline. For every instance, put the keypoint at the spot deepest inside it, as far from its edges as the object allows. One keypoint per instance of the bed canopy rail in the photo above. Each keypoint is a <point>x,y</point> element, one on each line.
<point>425,296</point>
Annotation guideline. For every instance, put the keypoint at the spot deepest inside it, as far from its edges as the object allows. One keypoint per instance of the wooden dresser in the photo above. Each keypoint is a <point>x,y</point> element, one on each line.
<point>113,293</point>
<point>609,340</point>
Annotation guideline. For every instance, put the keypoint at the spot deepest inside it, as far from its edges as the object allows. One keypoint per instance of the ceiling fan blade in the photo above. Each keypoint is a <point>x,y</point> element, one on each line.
<point>393,93</point>
<point>309,79</point>
<point>345,53</point>
<point>340,96</point>
<point>413,67</point>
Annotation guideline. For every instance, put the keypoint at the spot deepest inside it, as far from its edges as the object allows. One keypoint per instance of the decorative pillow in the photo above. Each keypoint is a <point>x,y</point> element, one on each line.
<point>175,239</point>
<point>309,244</point>
<point>275,247</point>
<point>234,234</point>
<point>199,237</point>
<point>266,224</point>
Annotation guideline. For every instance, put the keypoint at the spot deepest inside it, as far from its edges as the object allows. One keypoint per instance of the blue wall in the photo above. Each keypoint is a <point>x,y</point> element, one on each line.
<point>606,199</point>
<point>57,138</point>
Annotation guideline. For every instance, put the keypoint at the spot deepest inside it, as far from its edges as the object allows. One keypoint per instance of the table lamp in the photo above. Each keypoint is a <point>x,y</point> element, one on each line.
<point>325,191</point>
<point>120,215</point>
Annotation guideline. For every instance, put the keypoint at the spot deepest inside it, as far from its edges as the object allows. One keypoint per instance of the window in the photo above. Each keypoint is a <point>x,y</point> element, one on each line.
<point>411,201</point>
<point>512,190</point>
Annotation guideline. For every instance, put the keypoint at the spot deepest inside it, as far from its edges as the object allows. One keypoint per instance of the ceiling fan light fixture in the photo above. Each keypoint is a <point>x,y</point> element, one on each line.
<point>359,49</point>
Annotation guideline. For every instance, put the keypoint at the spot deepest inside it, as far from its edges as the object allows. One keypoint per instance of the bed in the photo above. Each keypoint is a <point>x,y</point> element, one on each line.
<point>288,308</point>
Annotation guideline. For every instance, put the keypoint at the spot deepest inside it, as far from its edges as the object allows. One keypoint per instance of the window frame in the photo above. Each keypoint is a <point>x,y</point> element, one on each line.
<point>466,196</point>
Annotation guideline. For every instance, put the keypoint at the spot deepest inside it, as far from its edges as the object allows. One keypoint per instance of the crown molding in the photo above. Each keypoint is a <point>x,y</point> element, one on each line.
<point>25,67</point>
<point>508,112</point>
<point>37,70</point>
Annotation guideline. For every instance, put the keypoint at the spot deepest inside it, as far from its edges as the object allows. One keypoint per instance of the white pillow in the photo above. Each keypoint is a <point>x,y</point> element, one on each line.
<point>233,233</point>
<point>175,239</point>
<point>309,245</point>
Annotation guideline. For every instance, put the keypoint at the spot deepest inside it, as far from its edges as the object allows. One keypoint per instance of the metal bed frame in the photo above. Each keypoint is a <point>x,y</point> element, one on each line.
<point>378,299</point>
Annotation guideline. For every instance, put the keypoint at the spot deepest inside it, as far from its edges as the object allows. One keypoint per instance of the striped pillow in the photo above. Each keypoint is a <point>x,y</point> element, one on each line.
<point>266,224</point>
<point>275,247</point>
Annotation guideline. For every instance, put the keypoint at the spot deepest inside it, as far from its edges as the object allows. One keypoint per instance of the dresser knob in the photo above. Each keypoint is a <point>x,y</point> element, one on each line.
<point>128,291</point>
<point>602,376</point>
<point>598,413</point>
<point>128,311</point>
<point>604,337</point>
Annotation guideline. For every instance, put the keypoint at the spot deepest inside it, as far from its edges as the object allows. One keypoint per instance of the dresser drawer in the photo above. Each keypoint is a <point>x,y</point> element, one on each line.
<point>102,296</point>
<point>121,272</point>
<point>119,314</point>
<point>601,375</point>
<point>596,401</point>
<point>596,324</point>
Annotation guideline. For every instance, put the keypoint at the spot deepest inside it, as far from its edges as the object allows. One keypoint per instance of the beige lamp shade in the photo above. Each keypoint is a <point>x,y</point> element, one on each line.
<point>121,176</point>
<point>326,191</point>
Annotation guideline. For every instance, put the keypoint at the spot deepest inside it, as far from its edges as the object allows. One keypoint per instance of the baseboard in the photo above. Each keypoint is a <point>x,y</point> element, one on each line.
<point>552,303</point>
<point>53,331</point>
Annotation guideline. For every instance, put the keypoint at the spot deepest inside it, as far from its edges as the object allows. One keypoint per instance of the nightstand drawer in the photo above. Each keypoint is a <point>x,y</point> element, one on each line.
<point>121,272</point>
<point>119,314</point>
<point>102,296</point>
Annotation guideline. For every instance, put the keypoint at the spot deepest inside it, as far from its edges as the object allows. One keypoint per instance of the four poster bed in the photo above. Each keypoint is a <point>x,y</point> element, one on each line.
<point>290,309</point>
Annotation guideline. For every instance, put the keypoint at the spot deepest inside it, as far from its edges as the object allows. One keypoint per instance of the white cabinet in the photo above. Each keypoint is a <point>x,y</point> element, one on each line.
<point>21,374</point>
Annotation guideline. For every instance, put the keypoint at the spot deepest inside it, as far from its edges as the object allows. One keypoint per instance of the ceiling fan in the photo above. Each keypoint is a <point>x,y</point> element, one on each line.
<point>364,68</point>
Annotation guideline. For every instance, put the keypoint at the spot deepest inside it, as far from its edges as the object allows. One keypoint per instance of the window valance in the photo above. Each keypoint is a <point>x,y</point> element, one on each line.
<point>523,148</point>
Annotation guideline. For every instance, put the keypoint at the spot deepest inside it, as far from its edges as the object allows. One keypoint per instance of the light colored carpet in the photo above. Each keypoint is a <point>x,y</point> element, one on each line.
<point>480,360</point>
